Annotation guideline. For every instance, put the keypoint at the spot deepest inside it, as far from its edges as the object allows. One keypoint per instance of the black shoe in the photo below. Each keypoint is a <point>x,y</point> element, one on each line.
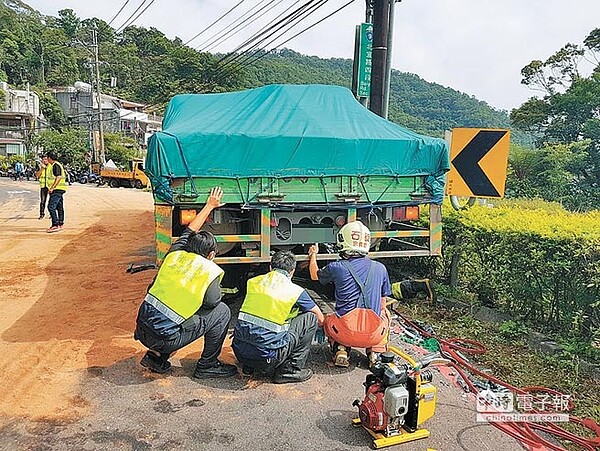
<point>290,377</point>
<point>41,216</point>
<point>248,370</point>
<point>155,363</point>
<point>217,370</point>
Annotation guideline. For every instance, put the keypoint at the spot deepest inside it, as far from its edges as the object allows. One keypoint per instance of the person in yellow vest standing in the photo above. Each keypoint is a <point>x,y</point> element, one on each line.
<point>184,302</point>
<point>41,176</point>
<point>55,181</point>
<point>276,324</point>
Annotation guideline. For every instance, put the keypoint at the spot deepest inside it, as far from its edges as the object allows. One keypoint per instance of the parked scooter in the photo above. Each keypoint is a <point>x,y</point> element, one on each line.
<point>88,177</point>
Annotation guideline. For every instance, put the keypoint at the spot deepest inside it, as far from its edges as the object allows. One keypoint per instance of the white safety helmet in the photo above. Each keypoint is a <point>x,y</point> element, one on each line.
<point>354,238</point>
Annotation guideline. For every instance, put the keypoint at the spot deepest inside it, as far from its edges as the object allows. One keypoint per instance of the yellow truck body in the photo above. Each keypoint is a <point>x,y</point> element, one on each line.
<point>134,178</point>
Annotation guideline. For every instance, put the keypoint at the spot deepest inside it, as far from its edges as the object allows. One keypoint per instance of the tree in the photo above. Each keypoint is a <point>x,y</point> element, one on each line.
<point>69,22</point>
<point>70,144</point>
<point>567,114</point>
<point>51,110</point>
<point>120,149</point>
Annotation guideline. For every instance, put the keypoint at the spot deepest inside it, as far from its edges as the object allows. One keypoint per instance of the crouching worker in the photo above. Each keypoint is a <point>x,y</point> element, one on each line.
<point>361,286</point>
<point>184,302</point>
<point>410,289</point>
<point>276,324</point>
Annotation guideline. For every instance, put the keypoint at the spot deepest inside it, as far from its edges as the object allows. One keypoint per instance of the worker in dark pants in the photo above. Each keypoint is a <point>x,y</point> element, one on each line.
<point>56,183</point>
<point>184,302</point>
<point>276,324</point>
<point>41,176</point>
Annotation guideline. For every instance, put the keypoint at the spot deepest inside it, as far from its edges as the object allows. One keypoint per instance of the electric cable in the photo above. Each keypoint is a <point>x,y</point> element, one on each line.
<point>118,12</point>
<point>265,30</point>
<point>234,28</point>
<point>214,23</point>
<point>291,18</point>
<point>132,14</point>
<point>290,24</point>
<point>125,25</point>
<point>249,63</point>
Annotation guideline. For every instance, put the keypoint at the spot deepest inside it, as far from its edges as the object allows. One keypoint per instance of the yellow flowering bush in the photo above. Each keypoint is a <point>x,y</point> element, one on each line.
<point>529,257</point>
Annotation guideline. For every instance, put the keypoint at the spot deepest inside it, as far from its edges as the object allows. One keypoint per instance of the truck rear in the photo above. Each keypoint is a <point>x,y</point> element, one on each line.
<point>295,163</point>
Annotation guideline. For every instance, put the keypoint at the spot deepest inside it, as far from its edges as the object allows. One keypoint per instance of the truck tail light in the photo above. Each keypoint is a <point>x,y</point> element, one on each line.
<point>412,213</point>
<point>340,221</point>
<point>186,216</point>
<point>405,213</point>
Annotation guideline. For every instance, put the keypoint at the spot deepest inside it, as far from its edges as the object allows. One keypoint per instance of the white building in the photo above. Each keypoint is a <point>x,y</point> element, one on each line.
<point>19,114</point>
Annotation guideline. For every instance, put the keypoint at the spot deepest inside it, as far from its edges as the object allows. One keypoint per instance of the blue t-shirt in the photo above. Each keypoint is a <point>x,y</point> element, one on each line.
<point>347,290</point>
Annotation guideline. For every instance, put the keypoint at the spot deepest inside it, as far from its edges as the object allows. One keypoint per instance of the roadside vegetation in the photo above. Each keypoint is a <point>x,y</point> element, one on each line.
<point>509,357</point>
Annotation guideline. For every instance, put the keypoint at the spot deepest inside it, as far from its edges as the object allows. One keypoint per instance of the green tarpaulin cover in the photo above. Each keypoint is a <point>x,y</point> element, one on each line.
<point>287,131</point>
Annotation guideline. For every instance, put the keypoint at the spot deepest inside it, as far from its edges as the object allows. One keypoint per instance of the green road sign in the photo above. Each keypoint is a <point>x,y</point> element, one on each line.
<point>365,60</point>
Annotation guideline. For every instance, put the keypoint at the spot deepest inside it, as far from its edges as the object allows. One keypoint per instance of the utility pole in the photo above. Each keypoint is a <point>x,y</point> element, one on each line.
<point>388,61</point>
<point>98,97</point>
<point>381,16</point>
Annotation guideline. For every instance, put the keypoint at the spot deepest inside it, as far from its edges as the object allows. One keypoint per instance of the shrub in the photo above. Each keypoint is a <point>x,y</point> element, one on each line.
<point>532,259</point>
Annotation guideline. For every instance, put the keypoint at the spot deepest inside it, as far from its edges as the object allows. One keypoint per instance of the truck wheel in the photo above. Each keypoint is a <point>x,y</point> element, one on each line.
<point>138,184</point>
<point>114,183</point>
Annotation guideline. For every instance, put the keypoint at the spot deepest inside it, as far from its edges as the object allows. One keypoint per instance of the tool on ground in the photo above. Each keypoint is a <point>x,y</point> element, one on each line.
<point>533,435</point>
<point>399,398</point>
<point>133,268</point>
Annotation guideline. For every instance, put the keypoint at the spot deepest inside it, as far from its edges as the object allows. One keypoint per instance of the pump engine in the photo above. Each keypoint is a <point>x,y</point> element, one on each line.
<point>395,402</point>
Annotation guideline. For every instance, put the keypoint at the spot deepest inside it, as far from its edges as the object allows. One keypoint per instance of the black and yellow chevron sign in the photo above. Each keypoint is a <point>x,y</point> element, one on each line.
<point>478,157</point>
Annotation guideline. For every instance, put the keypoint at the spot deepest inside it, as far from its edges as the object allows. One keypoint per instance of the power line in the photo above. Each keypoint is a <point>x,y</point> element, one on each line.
<point>289,21</point>
<point>240,67</point>
<point>234,27</point>
<point>126,24</point>
<point>132,14</point>
<point>119,12</point>
<point>267,30</point>
<point>140,13</point>
<point>215,22</point>
<point>293,25</point>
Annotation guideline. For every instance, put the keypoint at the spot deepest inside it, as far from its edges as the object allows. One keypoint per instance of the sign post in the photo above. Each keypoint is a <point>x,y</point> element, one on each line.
<point>364,60</point>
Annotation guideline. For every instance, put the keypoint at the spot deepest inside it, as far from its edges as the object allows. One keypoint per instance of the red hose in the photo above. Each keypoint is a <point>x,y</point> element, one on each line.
<point>525,433</point>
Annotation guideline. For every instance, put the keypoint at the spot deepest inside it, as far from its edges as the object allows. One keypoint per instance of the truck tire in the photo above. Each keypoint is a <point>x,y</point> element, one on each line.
<point>114,183</point>
<point>138,184</point>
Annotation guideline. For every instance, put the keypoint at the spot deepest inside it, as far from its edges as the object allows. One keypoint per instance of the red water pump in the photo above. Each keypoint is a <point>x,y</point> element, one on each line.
<point>386,396</point>
<point>398,399</point>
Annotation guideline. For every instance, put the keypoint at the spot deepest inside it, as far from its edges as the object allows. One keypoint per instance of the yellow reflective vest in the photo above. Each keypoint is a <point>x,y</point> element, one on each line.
<point>270,301</point>
<point>42,177</point>
<point>50,177</point>
<point>181,283</point>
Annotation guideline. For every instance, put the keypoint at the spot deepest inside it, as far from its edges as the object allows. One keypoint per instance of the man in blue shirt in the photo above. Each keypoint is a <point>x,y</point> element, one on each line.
<point>355,278</point>
<point>276,324</point>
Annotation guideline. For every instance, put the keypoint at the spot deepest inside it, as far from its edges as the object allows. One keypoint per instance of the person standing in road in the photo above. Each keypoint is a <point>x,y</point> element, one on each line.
<point>184,302</point>
<point>276,324</point>
<point>19,171</point>
<point>361,285</point>
<point>41,176</point>
<point>55,181</point>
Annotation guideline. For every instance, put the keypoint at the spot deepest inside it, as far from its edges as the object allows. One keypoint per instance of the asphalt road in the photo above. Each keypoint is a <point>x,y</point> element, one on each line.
<point>71,375</point>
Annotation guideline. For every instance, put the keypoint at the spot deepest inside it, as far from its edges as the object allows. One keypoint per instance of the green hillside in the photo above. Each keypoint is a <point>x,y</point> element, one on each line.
<point>151,68</point>
<point>414,103</point>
